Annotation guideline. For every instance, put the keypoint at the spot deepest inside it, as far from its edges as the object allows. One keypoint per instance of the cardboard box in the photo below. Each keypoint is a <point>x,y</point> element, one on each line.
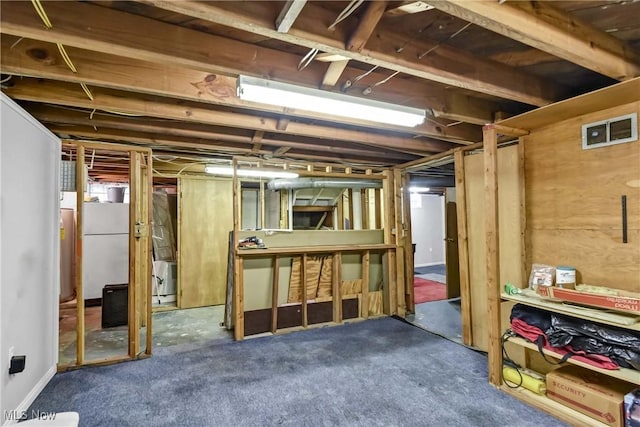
<point>596,395</point>
<point>625,304</point>
<point>632,409</point>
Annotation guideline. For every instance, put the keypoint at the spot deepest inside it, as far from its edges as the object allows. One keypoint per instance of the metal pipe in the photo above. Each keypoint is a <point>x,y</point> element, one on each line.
<point>298,183</point>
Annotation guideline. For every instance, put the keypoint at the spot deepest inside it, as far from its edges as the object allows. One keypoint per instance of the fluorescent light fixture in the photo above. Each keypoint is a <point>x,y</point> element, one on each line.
<point>253,173</point>
<point>419,189</point>
<point>320,101</point>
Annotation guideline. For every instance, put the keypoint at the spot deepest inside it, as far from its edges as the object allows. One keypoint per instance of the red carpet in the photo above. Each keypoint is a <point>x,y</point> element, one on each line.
<point>427,290</point>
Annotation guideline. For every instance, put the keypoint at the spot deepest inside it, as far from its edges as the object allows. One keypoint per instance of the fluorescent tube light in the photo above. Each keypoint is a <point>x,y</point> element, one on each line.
<point>419,189</point>
<point>254,173</point>
<point>320,101</point>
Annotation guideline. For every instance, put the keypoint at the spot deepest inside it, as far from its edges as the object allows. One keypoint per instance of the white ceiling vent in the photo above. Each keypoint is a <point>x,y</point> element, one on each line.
<point>611,131</point>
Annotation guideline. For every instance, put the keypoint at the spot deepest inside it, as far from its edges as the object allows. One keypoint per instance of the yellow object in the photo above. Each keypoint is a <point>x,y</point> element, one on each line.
<point>519,378</point>
<point>62,233</point>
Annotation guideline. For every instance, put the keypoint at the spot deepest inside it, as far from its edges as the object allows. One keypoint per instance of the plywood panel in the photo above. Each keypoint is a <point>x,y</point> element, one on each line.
<point>205,219</point>
<point>314,265</point>
<point>599,256</point>
<point>572,188</point>
<point>510,237</point>
<point>573,196</point>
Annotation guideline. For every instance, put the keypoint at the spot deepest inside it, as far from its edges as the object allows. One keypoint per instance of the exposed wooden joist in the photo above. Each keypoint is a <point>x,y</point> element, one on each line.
<point>199,132</point>
<point>41,59</point>
<point>367,24</point>
<point>71,95</point>
<point>256,140</point>
<point>407,8</point>
<point>282,123</point>
<point>545,27</point>
<point>444,64</point>
<point>203,147</point>
<point>333,73</point>
<point>143,39</point>
<point>288,15</point>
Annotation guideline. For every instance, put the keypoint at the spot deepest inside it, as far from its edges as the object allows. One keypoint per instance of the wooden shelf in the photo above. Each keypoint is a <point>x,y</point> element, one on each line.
<point>313,249</point>
<point>621,320</point>
<point>552,407</point>
<point>628,375</point>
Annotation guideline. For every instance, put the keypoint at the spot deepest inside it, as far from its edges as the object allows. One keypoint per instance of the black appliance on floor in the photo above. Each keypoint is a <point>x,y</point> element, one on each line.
<point>115,304</point>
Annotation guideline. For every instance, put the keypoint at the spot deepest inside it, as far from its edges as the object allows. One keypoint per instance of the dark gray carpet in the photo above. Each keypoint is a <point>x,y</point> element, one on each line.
<point>432,269</point>
<point>378,372</point>
<point>440,317</point>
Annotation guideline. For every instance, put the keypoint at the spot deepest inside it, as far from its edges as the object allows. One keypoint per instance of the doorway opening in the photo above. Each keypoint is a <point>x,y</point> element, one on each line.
<point>190,237</point>
<point>434,235</point>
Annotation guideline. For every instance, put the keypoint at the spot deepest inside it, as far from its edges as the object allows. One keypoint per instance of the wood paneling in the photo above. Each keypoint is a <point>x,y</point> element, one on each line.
<point>204,220</point>
<point>573,196</point>
<point>510,242</point>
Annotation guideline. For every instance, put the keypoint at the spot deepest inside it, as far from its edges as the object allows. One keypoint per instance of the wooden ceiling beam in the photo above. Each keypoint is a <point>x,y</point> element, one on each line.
<point>288,15</point>
<point>209,148</point>
<point>333,73</point>
<point>60,117</point>
<point>107,100</point>
<point>182,50</point>
<point>443,64</point>
<point>40,59</point>
<point>368,22</point>
<point>543,26</point>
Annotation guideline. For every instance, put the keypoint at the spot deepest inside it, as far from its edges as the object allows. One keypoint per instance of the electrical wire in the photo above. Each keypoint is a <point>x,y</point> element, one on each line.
<point>422,55</point>
<point>6,79</point>
<point>351,7</point>
<point>306,60</point>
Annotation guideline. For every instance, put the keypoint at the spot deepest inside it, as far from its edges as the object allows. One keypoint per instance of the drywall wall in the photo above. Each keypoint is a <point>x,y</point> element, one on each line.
<point>29,256</point>
<point>427,229</point>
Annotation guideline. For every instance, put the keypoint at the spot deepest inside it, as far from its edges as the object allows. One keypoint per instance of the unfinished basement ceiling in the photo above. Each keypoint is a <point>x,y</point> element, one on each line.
<point>163,74</point>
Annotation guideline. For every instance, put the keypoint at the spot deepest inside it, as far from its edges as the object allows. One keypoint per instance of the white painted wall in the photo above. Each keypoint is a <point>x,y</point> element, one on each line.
<point>427,229</point>
<point>29,255</point>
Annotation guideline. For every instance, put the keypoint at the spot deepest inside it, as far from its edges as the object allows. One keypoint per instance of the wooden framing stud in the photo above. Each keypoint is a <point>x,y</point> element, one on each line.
<point>492,253</point>
<point>463,249</point>
<point>303,281</point>
<point>337,287</point>
<point>80,175</point>
<point>365,284</point>
<point>274,294</point>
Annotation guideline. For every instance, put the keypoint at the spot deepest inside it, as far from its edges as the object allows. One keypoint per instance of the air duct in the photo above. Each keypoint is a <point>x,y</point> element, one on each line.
<point>299,183</point>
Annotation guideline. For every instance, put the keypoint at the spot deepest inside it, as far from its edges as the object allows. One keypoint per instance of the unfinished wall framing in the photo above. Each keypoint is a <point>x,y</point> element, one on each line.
<point>570,214</point>
<point>336,275</point>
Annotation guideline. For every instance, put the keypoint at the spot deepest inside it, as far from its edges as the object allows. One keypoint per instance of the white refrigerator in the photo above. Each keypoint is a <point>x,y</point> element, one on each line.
<point>105,247</point>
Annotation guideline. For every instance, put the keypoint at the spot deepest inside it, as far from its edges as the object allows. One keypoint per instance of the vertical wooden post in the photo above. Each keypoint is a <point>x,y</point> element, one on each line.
<point>238,298</point>
<point>523,212</point>
<point>378,209</point>
<point>263,207</point>
<point>238,264</point>
<point>364,208</point>
<point>303,281</point>
<point>337,287</point>
<point>350,197</point>
<point>80,176</point>
<point>134,193</point>
<point>365,284</point>
<point>149,221</point>
<point>400,238</point>
<point>408,246</point>
<point>463,248</point>
<point>389,295</point>
<point>493,251</point>
<point>274,294</point>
